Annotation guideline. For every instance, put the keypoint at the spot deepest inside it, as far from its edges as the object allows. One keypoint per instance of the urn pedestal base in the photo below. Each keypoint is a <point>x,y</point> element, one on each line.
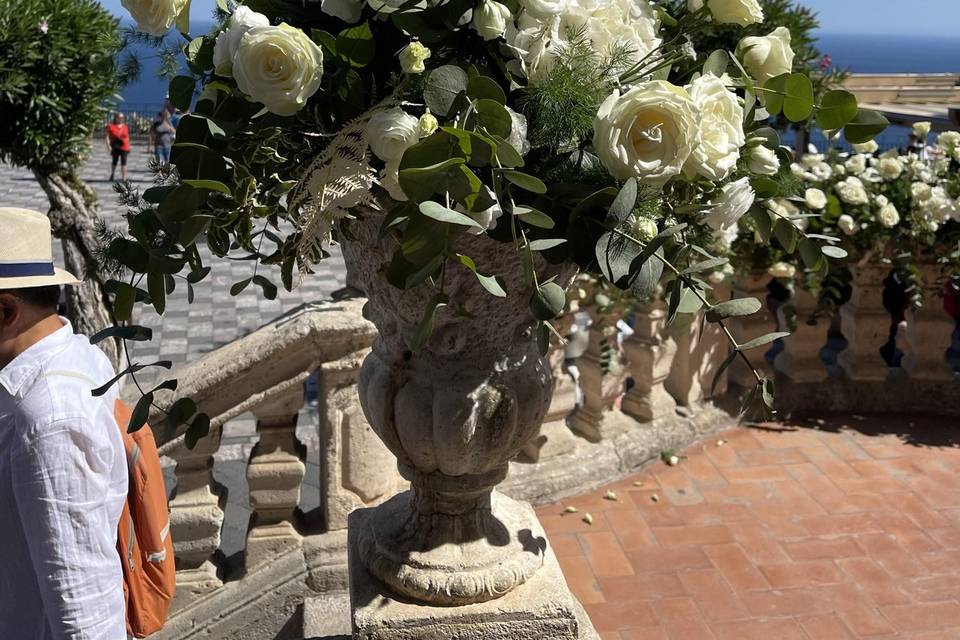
<point>542,608</point>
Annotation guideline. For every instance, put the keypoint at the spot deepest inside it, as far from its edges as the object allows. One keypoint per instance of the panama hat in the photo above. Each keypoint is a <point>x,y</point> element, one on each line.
<point>26,253</point>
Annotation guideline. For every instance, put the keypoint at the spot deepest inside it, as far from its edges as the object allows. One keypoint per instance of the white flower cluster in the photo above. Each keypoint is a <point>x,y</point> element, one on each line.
<point>279,66</point>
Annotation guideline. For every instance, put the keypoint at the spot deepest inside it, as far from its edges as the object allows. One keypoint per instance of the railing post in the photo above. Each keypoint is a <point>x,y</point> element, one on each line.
<point>650,352</point>
<point>800,359</point>
<point>712,350</point>
<point>274,475</point>
<point>746,328</point>
<point>865,323</point>
<point>602,378</point>
<point>356,468</point>
<point>929,332</point>
<point>555,437</point>
<point>195,521</point>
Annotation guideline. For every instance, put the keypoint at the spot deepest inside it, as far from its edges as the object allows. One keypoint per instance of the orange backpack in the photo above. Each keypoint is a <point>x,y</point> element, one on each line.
<point>143,535</point>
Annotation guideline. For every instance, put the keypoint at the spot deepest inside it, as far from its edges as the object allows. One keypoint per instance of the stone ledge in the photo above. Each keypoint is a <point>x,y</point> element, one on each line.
<point>897,394</point>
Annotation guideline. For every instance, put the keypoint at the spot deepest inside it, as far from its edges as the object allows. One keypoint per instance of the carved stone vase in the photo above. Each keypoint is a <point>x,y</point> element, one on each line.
<point>454,413</point>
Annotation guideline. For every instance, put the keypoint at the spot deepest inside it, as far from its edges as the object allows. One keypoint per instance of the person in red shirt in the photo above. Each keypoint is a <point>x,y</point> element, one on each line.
<point>118,142</point>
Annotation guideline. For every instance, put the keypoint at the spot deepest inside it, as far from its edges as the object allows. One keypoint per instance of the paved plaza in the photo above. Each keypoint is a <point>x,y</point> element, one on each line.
<point>215,317</point>
<point>828,530</point>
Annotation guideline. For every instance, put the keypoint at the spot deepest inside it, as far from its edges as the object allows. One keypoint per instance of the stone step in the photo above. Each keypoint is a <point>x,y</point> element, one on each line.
<point>327,617</point>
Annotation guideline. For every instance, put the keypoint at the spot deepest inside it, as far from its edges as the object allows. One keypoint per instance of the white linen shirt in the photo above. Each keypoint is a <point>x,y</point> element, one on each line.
<point>63,483</point>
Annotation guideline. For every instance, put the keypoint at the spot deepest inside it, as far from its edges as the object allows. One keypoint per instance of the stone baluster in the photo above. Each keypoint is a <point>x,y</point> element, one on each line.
<point>195,521</point>
<point>555,437</point>
<point>682,382</point>
<point>356,468</point>
<point>866,325</point>
<point>748,327</point>
<point>712,349</point>
<point>800,359</point>
<point>929,332</point>
<point>603,375</point>
<point>274,475</point>
<point>650,351</point>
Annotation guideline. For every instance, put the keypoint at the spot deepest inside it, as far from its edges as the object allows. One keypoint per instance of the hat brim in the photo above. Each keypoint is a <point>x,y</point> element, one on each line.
<point>59,277</point>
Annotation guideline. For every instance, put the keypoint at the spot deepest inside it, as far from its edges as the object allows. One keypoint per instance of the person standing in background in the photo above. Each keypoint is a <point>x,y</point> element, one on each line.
<point>118,142</point>
<point>162,133</point>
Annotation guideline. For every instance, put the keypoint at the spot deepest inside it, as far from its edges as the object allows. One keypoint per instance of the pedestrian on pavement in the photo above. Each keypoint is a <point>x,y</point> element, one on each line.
<point>118,142</point>
<point>63,469</point>
<point>162,133</point>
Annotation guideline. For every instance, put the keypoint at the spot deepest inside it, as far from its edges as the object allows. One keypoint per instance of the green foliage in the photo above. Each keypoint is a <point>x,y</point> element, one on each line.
<point>54,86</point>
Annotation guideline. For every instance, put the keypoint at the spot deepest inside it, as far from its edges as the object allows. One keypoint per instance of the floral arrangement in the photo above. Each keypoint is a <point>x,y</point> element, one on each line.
<point>573,131</point>
<point>889,206</point>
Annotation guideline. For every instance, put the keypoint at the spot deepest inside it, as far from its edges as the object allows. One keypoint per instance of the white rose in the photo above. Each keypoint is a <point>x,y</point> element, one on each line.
<point>487,219</point>
<point>871,175</point>
<point>949,140</point>
<point>391,132</point>
<point>735,200</point>
<point>544,9</point>
<point>811,160</point>
<point>769,56</point>
<point>741,12</point>
<point>412,58</point>
<point>888,216</point>
<point>518,132</point>
<point>694,5</point>
<point>839,170</point>
<point>921,130</point>
<point>852,191</point>
<point>848,225</point>
<point>647,133</point>
<point>764,161</point>
<point>721,129</point>
<point>490,19</point>
<point>815,199</point>
<point>920,191</point>
<point>822,171</point>
<point>154,16</point>
<point>890,168</point>
<point>278,66</point>
<point>880,200</point>
<point>346,10</point>
<point>782,270</point>
<point>797,170</point>
<point>225,48</point>
<point>856,164</point>
<point>869,147</point>
<point>645,229</point>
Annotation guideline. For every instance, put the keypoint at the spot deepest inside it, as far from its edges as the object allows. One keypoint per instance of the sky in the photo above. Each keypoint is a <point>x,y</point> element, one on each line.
<point>880,17</point>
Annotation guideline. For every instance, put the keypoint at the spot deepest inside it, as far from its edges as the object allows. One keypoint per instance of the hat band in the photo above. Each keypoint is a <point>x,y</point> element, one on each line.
<point>25,269</point>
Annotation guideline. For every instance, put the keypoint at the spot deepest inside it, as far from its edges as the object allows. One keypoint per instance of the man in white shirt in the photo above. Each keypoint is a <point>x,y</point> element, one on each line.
<point>63,472</point>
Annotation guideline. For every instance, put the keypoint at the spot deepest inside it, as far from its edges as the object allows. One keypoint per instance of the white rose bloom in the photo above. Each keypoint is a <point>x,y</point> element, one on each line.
<point>225,47</point>
<point>154,16</point>
<point>822,171</point>
<point>412,58</point>
<point>487,219</point>
<point>881,200</point>
<point>888,216</point>
<point>647,133</point>
<point>544,9</point>
<point>279,66</point>
<point>769,56</point>
<point>856,164</point>
<point>427,124</point>
<point>890,168</point>
<point>346,10</point>
<point>645,229</point>
<point>391,132</point>
<point>490,19</point>
<point>869,147</point>
<point>734,201</point>
<point>848,225</point>
<point>949,140</point>
<point>839,170</point>
<point>852,191</point>
<point>921,130</point>
<point>518,132</point>
<point>811,160</point>
<point>764,161</point>
<point>871,175</point>
<point>782,270</point>
<point>741,12</point>
<point>721,129</point>
<point>815,199</point>
<point>694,5</point>
<point>920,191</point>
<point>797,170</point>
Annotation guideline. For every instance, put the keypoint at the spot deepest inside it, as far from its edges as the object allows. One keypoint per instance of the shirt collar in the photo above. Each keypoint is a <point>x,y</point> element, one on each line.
<point>23,369</point>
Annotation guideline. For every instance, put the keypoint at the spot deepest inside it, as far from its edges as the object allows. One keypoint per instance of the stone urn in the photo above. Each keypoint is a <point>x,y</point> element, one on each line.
<point>454,413</point>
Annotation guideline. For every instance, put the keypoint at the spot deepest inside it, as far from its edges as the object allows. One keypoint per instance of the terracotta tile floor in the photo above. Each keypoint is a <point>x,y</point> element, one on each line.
<point>837,528</point>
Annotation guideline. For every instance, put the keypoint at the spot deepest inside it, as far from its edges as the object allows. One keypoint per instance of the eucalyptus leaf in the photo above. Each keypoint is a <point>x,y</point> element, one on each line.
<point>437,211</point>
<point>525,181</point>
<point>833,252</point>
<point>442,87</point>
<point>548,301</point>
<point>837,109</point>
<point>534,217</point>
<point>624,204</point>
<point>762,340</point>
<point>865,126</point>
<point>421,335</point>
<point>737,307</point>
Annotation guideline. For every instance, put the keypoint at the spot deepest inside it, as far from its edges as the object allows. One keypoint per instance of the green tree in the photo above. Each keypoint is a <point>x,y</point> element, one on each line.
<point>58,73</point>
